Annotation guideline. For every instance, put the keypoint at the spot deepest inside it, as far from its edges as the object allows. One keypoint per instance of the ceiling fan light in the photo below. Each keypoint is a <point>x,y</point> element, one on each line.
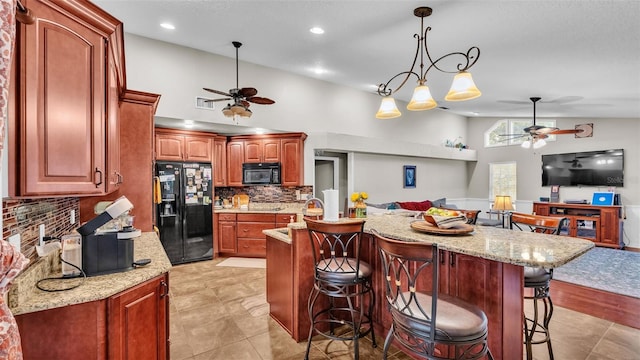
<point>538,144</point>
<point>227,111</point>
<point>526,144</point>
<point>462,88</point>
<point>388,109</point>
<point>422,99</point>
<point>237,108</point>
<point>246,113</point>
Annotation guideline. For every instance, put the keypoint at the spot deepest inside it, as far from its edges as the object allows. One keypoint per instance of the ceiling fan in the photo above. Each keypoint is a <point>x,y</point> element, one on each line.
<point>242,97</point>
<point>537,133</point>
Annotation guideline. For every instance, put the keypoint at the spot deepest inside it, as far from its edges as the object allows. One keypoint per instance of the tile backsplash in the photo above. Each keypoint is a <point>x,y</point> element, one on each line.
<point>23,216</point>
<point>265,194</point>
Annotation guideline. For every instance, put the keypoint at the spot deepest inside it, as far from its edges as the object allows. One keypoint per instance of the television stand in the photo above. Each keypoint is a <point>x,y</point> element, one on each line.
<point>600,224</point>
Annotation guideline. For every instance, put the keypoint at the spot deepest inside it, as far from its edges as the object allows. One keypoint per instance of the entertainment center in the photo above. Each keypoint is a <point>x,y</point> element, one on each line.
<point>600,224</point>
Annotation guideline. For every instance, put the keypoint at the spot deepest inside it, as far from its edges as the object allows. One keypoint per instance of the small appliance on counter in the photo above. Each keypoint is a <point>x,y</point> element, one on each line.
<point>107,239</point>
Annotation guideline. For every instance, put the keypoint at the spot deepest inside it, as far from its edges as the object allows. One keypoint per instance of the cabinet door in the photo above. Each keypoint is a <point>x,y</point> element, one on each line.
<point>271,150</point>
<point>227,241</point>
<point>114,175</point>
<point>169,147</point>
<point>292,162</point>
<point>610,227</point>
<point>219,163</point>
<point>197,149</point>
<point>235,158</point>
<point>60,146</point>
<point>253,151</point>
<point>138,321</point>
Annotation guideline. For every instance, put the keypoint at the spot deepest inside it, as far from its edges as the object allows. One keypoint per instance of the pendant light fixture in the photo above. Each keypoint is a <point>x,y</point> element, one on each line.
<point>462,88</point>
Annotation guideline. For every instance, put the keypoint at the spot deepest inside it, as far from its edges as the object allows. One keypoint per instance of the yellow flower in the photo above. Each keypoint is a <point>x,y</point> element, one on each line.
<point>357,196</point>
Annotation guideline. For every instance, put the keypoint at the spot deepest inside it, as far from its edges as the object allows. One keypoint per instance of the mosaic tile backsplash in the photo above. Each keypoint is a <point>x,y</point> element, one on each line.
<point>265,194</point>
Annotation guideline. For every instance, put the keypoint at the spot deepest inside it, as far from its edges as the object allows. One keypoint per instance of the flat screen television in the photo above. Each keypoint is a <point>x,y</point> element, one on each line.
<point>592,168</point>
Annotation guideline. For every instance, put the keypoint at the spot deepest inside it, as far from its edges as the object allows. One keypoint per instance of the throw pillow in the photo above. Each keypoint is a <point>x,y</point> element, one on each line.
<point>416,206</point>
<point>439,202</point>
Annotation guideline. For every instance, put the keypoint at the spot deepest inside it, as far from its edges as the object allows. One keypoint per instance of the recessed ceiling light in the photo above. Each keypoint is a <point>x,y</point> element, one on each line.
<point>318,71</point>
<point>168,26</point>
<point>317,30</point>
<point>188,123</point>
<point>259,131</point>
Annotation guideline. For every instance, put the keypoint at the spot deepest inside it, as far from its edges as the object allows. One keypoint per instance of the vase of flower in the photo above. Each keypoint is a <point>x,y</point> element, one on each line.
<point>360,207</point>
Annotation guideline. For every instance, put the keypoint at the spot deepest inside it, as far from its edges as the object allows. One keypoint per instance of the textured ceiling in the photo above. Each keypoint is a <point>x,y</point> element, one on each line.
<point>582,57</point>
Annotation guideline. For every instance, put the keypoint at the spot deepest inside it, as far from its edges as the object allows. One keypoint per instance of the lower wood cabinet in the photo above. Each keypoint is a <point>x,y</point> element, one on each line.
<point>133,324</point>
<point>240,234</point>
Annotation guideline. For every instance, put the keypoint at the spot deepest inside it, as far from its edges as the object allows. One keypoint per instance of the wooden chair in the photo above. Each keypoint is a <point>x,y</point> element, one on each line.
<point>538,279</point>
<point>421,317</point>
<point>340,275</point>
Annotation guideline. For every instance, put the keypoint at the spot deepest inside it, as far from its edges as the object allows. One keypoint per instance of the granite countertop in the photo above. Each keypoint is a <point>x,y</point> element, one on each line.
<point>270,208</point>
<point>503,245</point>
<point>25,297</point>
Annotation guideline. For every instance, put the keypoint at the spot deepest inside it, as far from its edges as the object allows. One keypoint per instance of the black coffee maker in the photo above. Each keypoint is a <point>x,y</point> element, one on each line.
<point>107,252</point>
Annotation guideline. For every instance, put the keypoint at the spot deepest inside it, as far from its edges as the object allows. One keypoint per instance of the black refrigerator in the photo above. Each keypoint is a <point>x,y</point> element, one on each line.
<point>184,214</point>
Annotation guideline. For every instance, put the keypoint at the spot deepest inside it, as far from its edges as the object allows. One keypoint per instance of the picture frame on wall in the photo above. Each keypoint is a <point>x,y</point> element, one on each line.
<point>409,176</point>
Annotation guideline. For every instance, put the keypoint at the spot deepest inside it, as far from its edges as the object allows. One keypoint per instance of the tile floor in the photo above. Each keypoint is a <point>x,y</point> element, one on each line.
<point>221,313</point>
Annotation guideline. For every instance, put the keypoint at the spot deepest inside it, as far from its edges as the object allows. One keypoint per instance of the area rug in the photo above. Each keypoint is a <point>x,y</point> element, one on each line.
<point>244,262</point>
<point>615,271</point>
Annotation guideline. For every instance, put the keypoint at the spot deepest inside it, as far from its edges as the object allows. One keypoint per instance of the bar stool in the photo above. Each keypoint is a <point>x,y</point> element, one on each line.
<point>422,318</point>
<point>538,279</point>
<point>340,275</point>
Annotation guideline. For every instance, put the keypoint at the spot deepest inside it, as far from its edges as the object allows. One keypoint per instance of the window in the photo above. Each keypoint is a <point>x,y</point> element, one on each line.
<point>500,133</point>
<point>503,180</point>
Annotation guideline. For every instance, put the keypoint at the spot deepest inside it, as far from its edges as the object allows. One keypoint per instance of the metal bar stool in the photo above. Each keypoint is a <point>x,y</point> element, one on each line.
<point>536,329</point>
<point>340,275</point>
<point>421,317</point>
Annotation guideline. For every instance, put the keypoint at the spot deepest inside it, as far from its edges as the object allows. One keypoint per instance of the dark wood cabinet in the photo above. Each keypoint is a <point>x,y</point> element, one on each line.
<point>64,102</point>
<point>241,234</point>
<point>292,160</point>
<point>600,224</point>
<point>174,146</point>
<point>133,324</point>
<point>139,322</point>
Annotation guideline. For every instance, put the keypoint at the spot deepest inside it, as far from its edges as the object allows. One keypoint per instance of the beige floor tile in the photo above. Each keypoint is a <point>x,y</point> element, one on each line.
<point>252,325</point>
<point>276,343</point>
<point>242,350</point>
<point>200,298</point>
<point>619,342</point>
<point>213,335</point>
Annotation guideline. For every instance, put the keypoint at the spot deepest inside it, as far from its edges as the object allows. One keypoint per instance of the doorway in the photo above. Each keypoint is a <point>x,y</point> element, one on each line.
<point>330,173</point>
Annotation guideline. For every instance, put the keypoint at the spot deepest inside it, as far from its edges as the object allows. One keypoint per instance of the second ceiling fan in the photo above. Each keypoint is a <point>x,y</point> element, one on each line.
<point>242,97</point>
<point>537,133</point>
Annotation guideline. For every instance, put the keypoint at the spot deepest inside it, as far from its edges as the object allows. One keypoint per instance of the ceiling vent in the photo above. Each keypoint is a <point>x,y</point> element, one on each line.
<point>204,103</point>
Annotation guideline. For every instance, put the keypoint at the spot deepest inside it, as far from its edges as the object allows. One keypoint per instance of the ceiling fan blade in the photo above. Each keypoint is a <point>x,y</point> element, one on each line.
<point>245,103</point>
<point>567,131</point>
<point>214,100</point>
<point>260,100</point>
<point>544,130</point>
<point>248,92</point>
<point>217,92</point>
<point>513,136</point>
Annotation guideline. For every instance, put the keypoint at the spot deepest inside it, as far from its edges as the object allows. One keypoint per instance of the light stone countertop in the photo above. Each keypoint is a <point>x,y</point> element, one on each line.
<point>24,297</point>
<point>503,245</point>
<point>274,208</point>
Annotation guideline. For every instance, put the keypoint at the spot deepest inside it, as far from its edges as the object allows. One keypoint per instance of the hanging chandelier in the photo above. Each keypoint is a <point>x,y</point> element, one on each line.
<point>462,88</point>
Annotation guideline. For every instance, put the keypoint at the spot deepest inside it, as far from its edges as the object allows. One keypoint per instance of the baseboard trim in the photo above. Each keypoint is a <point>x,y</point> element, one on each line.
<point>617,308</point>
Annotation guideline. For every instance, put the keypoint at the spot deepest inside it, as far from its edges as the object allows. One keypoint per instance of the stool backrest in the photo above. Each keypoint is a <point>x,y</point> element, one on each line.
<point>537,223</point>
<point>410,268</point>
<point>333,244</point>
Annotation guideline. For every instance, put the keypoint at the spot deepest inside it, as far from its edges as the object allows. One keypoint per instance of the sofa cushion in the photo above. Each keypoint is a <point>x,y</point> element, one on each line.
<point>439,202</point>
<point>414,205</point>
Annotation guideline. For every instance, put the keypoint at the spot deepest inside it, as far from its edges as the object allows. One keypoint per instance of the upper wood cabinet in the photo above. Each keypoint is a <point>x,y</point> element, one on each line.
<point>176,146</point>
<point>220,161</point>
<point>292,160</point>
<point>235,158</point>
<point>63,108</point>
<point>261,150</point>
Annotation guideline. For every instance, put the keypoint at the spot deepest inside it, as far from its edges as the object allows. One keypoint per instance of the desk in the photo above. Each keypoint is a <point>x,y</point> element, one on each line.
<point>484,268</point>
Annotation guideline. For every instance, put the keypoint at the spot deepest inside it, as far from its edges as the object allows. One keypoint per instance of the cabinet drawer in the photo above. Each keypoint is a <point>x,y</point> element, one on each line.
<point>252,247</point>
<point>227,217</point>
<point>271,218</point>
<point>253,230</point>
<point>285,218</point>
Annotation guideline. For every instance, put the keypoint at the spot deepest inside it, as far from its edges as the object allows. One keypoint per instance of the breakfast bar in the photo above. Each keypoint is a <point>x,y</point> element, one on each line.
<point>483,267</point>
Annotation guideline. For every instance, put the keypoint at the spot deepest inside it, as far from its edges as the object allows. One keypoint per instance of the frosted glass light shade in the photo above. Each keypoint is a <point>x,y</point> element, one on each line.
<point>422,99</point>
<point>462,88</point>
<point>227,111</point>
<point>539,143</point>
<point>526,144</point>
<point>388,109</point>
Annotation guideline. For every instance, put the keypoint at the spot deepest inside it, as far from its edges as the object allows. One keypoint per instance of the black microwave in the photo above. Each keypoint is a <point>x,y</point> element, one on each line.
<point>261,174</point>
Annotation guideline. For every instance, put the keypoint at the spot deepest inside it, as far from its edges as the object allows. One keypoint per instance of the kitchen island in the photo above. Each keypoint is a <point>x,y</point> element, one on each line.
<point>122,315</point>
<point>484,267</point>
